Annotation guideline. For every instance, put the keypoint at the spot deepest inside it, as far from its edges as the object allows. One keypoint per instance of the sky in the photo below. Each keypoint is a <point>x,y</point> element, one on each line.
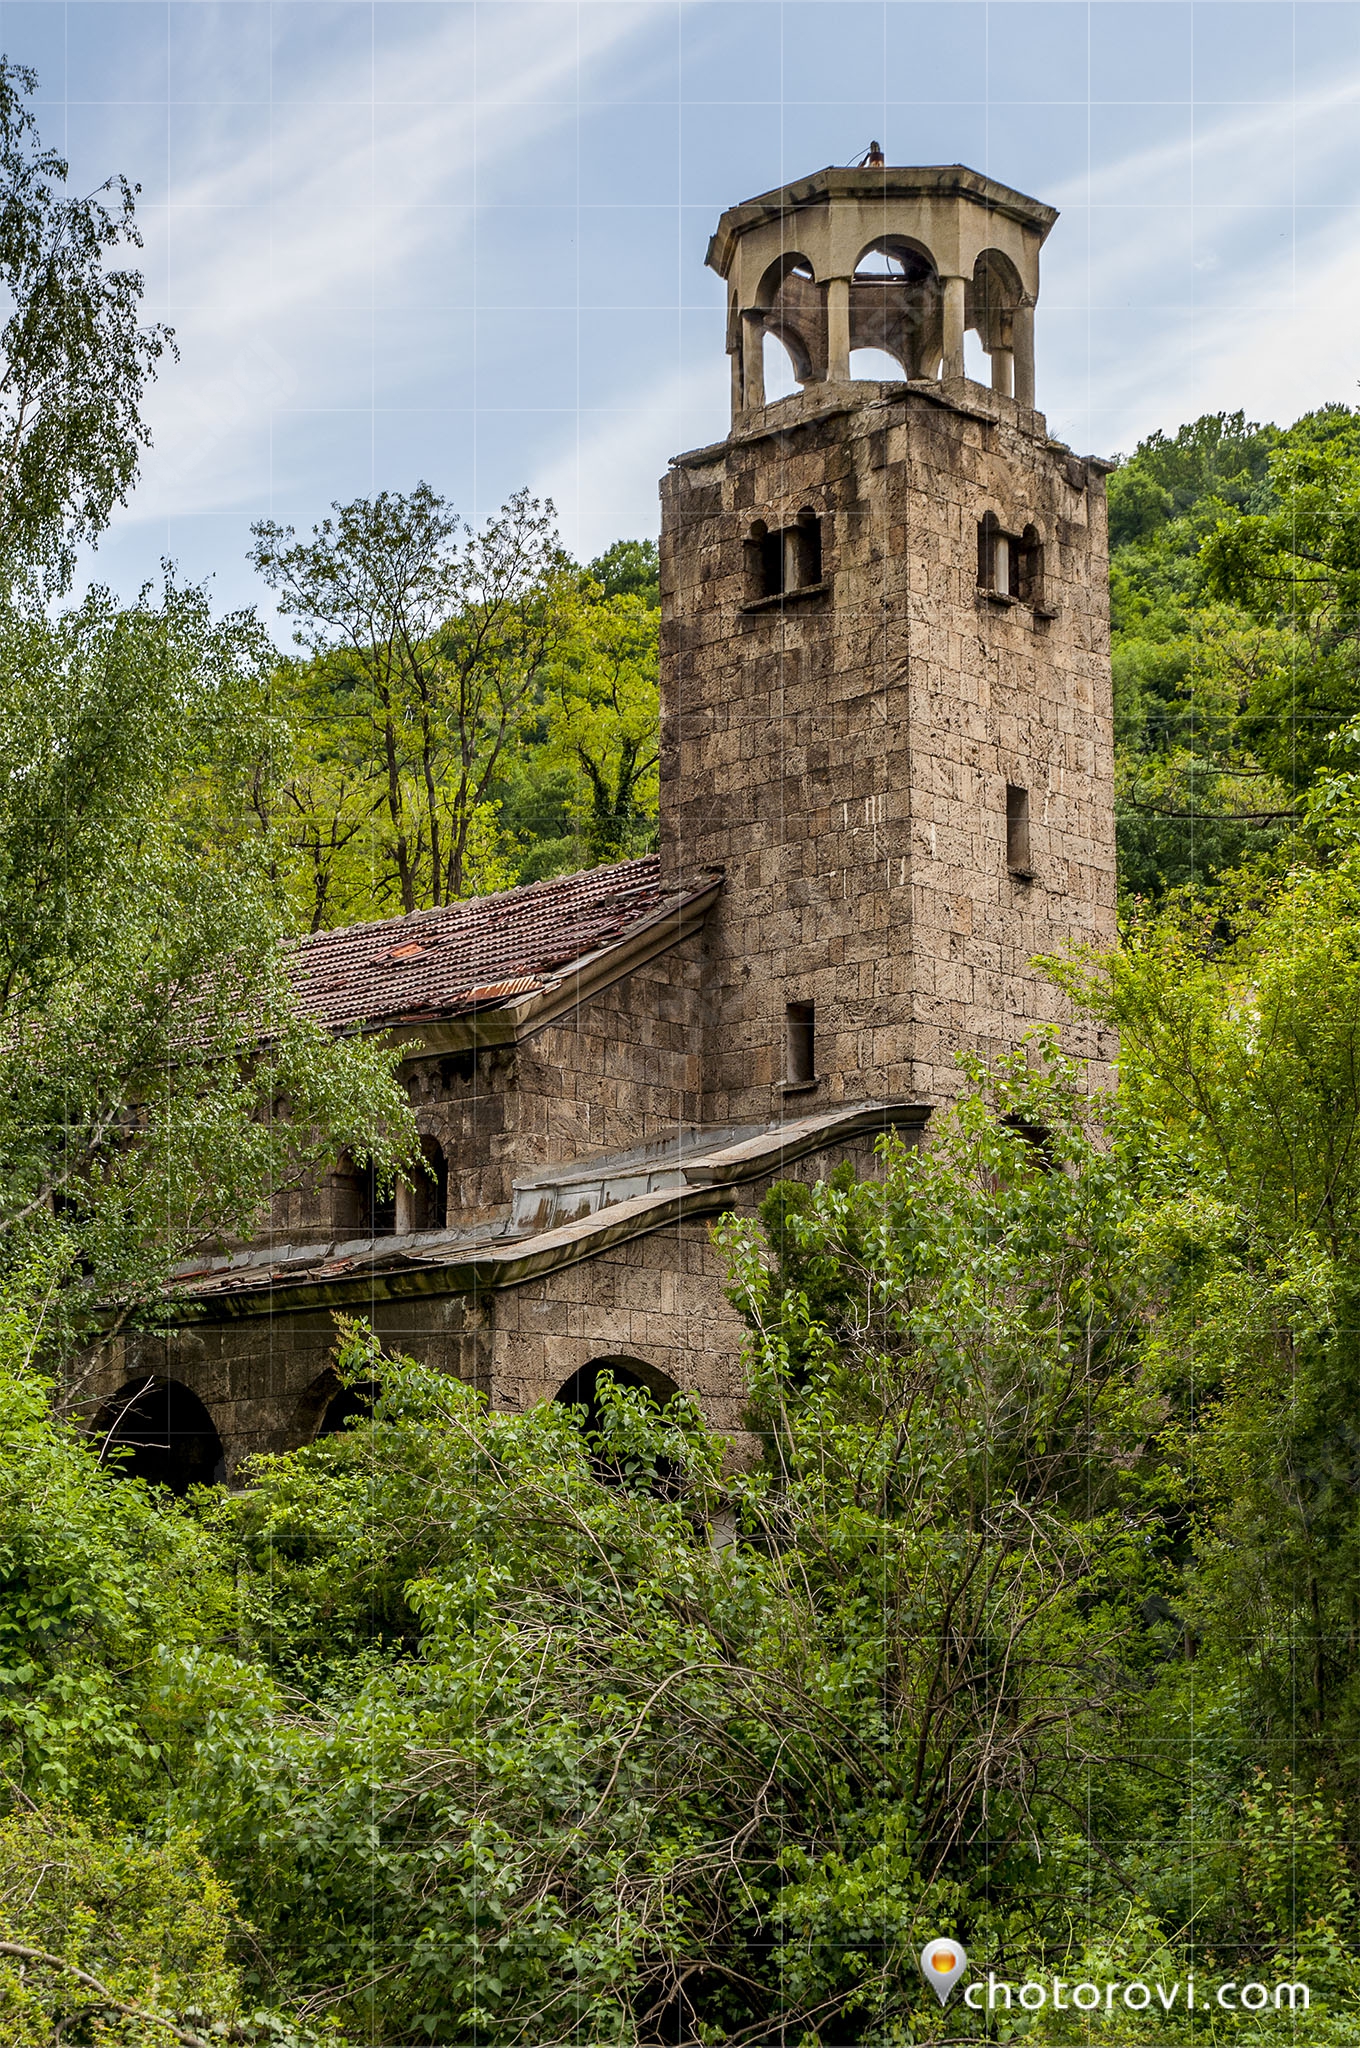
<point>463,240</point>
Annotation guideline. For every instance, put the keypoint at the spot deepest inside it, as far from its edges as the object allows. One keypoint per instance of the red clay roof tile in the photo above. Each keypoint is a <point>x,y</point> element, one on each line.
<point>471,956</point>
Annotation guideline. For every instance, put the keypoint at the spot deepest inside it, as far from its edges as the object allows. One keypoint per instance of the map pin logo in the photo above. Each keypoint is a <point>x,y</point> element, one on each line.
<point>942,1964</point>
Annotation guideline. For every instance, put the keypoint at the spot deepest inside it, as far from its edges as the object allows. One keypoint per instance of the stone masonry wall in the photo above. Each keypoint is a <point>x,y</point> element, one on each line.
<point>265,1379</point>
<point>624,1068</point>
<point>844,754</point>
<point>618,1071</point>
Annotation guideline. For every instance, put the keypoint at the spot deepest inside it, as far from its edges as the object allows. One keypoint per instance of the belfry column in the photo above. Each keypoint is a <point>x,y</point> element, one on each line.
<point>953,327</point>
<point>1023,336</point>
<point>752,361</point>
<point>837,330</point>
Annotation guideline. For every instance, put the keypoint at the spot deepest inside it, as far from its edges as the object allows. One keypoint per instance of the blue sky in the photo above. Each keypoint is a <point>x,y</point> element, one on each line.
<point>463,239</point>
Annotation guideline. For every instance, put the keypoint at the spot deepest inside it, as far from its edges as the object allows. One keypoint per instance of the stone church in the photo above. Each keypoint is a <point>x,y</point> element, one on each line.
<point>886,785</point>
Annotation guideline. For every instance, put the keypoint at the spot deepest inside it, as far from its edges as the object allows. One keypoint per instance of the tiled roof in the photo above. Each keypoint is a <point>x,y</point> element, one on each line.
<point>473,956</point>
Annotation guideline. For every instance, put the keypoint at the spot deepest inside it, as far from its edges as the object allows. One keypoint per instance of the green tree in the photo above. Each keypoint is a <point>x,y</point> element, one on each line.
<point>436,640</point>
<point>630,568</point>
<point>1192,798</point>
<point>602,721</point>
<point>148,1038</point>
<point>1240,1082</point>
<point>1294,569</point>
<point>1235,656</point>
<point>622,1779</point>
<point>315,799</point>
<point>115,1659</point>
<point>75,357</point>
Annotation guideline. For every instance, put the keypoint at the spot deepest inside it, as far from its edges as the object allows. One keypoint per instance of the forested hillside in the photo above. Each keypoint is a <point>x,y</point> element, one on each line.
<point>1237,677</point>
<point>1035,1623</point>
<point>473,709</point>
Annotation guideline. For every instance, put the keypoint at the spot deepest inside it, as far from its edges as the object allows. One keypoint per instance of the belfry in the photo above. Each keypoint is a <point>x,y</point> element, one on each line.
<point>905,261</point>
<point>886,788</point>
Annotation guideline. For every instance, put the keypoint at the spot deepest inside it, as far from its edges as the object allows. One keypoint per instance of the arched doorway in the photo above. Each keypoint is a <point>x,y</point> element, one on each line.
<point>166,1434</point>
<point>582,1389</point>
<point>329,1406</point>
<point>347,1404</point>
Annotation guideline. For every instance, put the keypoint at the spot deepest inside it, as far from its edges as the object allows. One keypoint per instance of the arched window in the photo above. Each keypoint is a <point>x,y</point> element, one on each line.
<point>427,1191</point>
<point>1030,564</point>
<point>1011,565</point>
<point>166,1434</point>
<point>784,559</point>
<point>361,1205</point>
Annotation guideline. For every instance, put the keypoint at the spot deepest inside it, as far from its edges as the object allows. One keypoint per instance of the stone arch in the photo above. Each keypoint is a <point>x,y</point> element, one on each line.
<point>580,1390</point>
<point>897,304</point>
<point>792,263</point>
<point>992,298</point>
<point>913,260</point>
<point>328,1405</point>
<point>791,305</point>
<point>166,1432</point>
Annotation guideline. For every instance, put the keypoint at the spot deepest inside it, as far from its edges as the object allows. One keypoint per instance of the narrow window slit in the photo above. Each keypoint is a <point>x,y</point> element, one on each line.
<point>801,1044</point>
<point>1017,830</point>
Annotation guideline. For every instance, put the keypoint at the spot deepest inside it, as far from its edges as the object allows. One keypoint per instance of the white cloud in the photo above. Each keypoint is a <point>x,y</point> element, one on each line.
<point>1195,304</point>
<point>276,253</point>
<point>605,485</point>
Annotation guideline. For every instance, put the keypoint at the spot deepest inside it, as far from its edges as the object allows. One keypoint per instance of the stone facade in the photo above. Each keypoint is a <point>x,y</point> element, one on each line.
<point>844,752</point>
<point>886,787</point>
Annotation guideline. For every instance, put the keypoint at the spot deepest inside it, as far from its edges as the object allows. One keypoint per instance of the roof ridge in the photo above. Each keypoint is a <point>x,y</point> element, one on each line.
<point>469,903</point>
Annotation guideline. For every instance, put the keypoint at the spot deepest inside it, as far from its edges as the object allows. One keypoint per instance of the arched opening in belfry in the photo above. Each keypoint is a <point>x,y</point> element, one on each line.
<point>790,308</point>
<point>781,379</point>
<point>875,365</point>
<point>991,303</point>
<point>582,1389</point>
<point>165,1434</point>
<point>896,310</point>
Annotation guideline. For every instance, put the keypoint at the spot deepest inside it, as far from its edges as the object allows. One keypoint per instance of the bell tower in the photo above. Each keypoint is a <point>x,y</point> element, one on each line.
<point>886,705</point>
